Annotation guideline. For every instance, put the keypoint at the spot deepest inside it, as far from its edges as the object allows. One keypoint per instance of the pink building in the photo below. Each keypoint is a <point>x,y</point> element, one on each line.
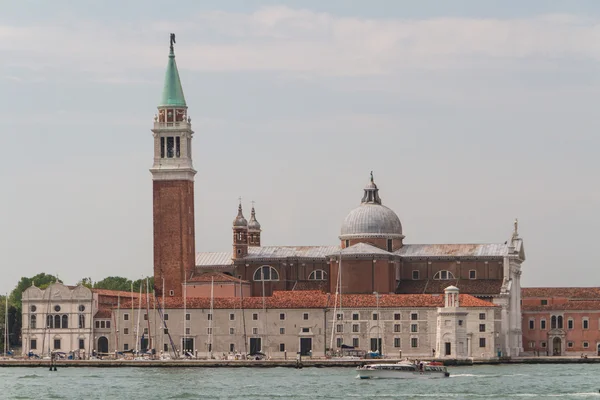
<point>561,321</point>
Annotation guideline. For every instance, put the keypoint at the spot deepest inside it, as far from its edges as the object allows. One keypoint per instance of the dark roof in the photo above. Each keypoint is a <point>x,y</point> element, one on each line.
<point>103,313</point>
<point>474,287</point>
<point>311,285</point>
<point>566,292</point>
<point>216,277</point>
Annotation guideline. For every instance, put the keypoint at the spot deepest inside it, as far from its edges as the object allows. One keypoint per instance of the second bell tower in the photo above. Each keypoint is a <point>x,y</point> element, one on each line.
<point>173,187</point>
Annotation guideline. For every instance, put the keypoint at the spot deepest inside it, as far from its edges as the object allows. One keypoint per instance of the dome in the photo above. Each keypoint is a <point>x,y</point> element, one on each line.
<point>371,219</point>
<point>240,221</point>
<point>253,225</point>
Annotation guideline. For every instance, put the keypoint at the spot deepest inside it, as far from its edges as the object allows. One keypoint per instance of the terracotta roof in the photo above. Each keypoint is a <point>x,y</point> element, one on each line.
<point>453,250</point>
<point>466,286</point>
<point>317,299</point>
<point>574,305</point>
<point>359,249</point>
<point>224,259</point>
<point>115,293</point>
<point>103,313</point>
<point>567,292</point>
<point>215,276</point>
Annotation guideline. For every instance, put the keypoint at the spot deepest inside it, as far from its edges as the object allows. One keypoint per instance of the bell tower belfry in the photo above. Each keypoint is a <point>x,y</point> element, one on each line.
<point>173,187</point>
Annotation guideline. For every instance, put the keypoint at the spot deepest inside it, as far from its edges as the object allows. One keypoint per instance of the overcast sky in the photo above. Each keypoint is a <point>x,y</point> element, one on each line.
<point>470,114</point>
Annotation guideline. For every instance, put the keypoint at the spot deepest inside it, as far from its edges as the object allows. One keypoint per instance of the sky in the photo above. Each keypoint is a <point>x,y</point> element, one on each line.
<point>470,114</point>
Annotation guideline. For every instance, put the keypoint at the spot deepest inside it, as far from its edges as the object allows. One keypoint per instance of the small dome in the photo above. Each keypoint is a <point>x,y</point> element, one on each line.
<point>451,289</point>
<point>253,225</point>
<point>371,219</point>
<point>240,221</point>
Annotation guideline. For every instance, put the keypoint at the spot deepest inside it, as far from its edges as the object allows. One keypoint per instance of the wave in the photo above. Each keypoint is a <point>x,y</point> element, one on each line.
<point>29,376</point>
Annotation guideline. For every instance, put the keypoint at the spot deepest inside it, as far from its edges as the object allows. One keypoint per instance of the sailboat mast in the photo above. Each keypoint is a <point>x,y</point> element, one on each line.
<point>210,322</point>
<point>137,331</point>
<point>243,319</point>
<point>6,324</point>
<point>148,313</point>
<point>132,314</point>
<point>183,341</point>
<point>117,324</point>
<point>164,324</point>
<point>335,302</point>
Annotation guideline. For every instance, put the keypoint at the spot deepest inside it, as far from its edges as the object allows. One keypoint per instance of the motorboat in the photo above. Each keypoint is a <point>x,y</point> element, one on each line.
<point>403,370</point>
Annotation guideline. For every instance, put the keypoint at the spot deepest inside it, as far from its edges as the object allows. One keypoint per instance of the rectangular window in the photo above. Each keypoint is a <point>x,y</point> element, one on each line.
<point>375,316</point>
<point>56,344</point>
<point>177,146</point>
<point>231,347</point>
<point>390,245</point>
<point>482,342</point>
<point>414,316</point>
<point>145,331</point>
<point>187,331</point>
<point>305,330</point>
<point>355,328</point>
<point>162,147</point>
<point>397,317</point>
<point>481,316</point>
<point>209,316</point>
<point>460,322</point>
<point>414,328</point>
<point>209,331</point>
<point>125,317</point>
<point>255,331</point>
<point>397,328</point>
<point>126,347</point>
<point>231,317</point>
<point>543,344</point>
<point>397,342</point>
<point>81,344</point>
<point>145,317</point>
<point>282,317</point>
<point>166,317</point>
<point>544,302</point>
<point>33,344</point>
<point>414,342</point>
<point>188,316</point>
<point>472,274</point>
<point>481,327</point>
<point>166,331</point>
<point>126,331</point>
<point>107,324</point>
<point>281,346</point>
<point>339,328</point>
<point>415,275</point>
<point>586,345</point>
<point>355,342</point>
<point>532,324</point>
<point>97,324</point>
<point>340,316</point>
<point>338,342</point>
<point>170,146</point>
<point>102,324</point>
<point>165,347</point>
<point>570,324</point>
<point>586,324</point>
<point>282,331</point>
<point>569,344</point>
<point>255,317</point>
<point>543,324</point>
<point>231,331</point>
<point>355,316</point>
<point>305,316</point>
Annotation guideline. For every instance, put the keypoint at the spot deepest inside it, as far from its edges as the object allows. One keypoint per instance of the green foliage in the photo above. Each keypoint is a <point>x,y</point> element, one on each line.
<point>124,284</point>
<point>87,282</point>
<point>41,280</point>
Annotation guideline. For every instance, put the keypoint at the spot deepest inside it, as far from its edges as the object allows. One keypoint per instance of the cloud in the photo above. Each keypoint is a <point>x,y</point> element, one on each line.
<point>303,42</point>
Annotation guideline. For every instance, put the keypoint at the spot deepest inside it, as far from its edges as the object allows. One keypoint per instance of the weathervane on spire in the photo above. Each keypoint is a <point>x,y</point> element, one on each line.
<point>371,176</point>
<point>172,40</point>
<point>516,231</point>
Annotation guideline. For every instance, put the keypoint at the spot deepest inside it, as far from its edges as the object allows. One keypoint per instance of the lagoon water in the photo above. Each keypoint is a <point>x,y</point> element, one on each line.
<point>487,382</point>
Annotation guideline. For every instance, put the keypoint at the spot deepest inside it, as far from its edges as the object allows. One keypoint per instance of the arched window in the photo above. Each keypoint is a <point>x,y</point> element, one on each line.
<point>65,321</point>
<point>553,322</point>
<point>560,322</point>
<point>81,321</point>
<point>266,273</point>
<point>33,322</point>
<point>318,275</point>
<point>443,275</point>
<point>57,321</point>
<point>49,321</point>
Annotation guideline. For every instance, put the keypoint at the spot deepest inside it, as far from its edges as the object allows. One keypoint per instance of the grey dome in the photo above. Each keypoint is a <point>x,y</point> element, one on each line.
<point>240,221</point>
<point>253,225</point>
<point>371,219</point>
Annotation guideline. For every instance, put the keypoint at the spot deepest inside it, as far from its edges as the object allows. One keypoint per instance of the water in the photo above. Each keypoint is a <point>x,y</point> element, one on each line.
<point>489,382</point>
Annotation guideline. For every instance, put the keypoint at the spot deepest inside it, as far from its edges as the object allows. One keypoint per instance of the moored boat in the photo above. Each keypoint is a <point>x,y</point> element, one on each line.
<point>403,370</point>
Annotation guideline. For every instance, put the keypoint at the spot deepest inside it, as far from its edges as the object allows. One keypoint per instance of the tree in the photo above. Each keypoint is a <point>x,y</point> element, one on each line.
<point>41,280</point>
<point>114,283</point>
<point>87,282</point>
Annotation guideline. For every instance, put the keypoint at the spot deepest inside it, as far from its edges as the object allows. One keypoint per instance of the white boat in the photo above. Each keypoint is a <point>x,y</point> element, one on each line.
<point>403,370</point>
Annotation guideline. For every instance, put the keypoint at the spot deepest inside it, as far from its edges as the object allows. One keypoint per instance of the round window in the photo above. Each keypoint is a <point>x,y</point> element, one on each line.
<point>57,308</point>
<point>32,308</point>
<point>82,308</point>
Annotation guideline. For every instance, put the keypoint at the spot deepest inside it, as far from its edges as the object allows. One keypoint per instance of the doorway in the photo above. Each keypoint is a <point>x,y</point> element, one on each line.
<point>599,349</point>
<point>556,346</point>
<point>188,345</point>
<point>102,345</point>
<point>376,345</point>
<point>305,346</point>
<point>448,348</point>
<point>255,345</point>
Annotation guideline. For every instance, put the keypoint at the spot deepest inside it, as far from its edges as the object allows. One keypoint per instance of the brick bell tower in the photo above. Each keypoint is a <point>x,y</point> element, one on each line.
<point>173,187</point>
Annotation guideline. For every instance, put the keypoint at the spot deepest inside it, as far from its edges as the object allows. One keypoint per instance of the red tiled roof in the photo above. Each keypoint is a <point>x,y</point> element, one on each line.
<point>574,305</point>
<point>466,286</point>
<point>316,299</point>
<point>215,276</point>
<point>567,292</point>
<point>103,313</point>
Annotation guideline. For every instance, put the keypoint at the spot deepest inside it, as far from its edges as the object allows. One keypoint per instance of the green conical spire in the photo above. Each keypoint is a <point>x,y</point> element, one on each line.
<point>172,91</point>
